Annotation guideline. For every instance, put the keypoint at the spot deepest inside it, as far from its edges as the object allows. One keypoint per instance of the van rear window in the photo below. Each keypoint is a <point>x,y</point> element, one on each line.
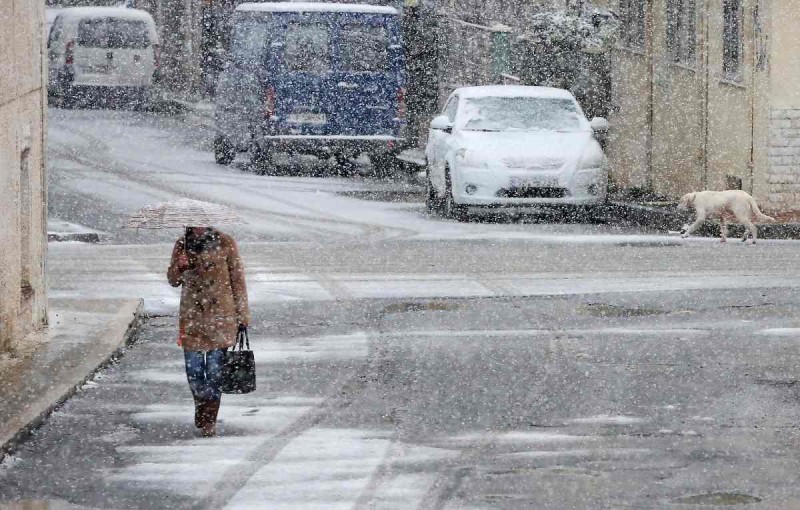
<point>308,48</point>
<point>113,33</point>
<point>364,48</point>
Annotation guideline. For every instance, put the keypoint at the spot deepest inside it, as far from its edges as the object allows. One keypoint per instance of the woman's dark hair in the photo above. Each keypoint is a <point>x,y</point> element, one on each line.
<point>199,243</point>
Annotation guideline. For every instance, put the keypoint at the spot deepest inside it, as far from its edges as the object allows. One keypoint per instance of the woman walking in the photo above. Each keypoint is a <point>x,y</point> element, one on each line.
<point>213,307</point>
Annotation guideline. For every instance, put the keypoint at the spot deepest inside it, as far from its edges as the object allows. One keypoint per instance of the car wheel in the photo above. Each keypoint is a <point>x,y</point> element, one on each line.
<point>261,160</point>
<point>384,165</point>
<point>432,201</point>
<point>344,165</point>
<point>453,210</point>
<point>224,151</point>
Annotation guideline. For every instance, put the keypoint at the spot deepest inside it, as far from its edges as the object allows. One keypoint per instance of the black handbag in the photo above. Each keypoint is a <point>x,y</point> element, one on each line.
<point>239,367</point>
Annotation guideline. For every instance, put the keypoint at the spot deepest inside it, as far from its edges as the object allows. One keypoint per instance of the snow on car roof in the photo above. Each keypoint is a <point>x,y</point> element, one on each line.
<point>105,12</point>
<point>316,7</point>
<point>514,91</point>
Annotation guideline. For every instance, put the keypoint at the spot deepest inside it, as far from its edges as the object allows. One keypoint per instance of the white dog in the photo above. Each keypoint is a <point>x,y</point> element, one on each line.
<point>725,206</point>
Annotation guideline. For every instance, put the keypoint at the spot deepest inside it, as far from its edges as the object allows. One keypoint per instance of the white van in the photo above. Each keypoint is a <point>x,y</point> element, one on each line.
<point>91,47</point>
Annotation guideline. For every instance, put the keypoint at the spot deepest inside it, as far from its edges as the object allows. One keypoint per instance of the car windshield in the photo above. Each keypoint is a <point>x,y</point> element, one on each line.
<point>520,114</point>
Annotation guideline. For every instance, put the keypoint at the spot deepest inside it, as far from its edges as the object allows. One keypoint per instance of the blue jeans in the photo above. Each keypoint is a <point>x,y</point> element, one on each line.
<point>204,371</point>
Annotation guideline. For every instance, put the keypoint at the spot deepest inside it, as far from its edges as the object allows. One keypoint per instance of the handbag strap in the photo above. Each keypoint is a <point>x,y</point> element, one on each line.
<point>241,338</point>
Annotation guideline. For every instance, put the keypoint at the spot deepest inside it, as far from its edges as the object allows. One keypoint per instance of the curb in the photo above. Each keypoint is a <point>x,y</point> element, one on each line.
<point>124,326</point>
<point>83,237</point>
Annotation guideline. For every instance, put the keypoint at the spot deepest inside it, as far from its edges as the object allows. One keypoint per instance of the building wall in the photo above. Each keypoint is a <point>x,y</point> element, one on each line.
<point>680,127</point>
<point>782,155</point>
<point>23,236</point>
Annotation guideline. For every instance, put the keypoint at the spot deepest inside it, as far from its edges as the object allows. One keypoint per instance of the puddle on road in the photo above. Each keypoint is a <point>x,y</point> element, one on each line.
<point>718,499</point>
<point>606,310</point>
<point>417,306</point>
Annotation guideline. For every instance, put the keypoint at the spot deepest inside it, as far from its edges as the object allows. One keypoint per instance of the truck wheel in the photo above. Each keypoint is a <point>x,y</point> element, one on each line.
<point>261,160</point>
<point>344,165</point>
<point>224,151</point>
<point>384,165</point>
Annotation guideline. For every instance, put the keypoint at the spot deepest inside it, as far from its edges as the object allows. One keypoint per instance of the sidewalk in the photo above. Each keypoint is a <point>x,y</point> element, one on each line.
<point>83,336</point>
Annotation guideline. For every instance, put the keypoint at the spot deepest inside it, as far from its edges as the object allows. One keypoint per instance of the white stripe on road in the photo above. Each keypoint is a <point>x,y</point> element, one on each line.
<point>338,469</point>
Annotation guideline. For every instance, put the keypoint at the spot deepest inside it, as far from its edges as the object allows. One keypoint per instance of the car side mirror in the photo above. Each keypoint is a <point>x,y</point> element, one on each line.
<point>442,123</point>
<point>599,124</point>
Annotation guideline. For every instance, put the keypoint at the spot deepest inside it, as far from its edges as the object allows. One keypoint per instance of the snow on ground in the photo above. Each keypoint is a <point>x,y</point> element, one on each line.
<point>331,469</point>
<point>139,271</point>
<point>605,419</point>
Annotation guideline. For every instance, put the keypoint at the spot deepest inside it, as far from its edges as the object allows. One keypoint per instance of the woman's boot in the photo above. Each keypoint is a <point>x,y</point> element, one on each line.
<point>211,409</point>
<point>198,413</point>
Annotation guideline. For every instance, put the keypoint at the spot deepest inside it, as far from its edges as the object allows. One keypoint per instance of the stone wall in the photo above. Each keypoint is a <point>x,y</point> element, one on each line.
<point>23,237</point>
<point>783,178</point>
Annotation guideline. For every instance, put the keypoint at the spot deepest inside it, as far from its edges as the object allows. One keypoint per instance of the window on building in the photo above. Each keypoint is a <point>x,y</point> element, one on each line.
<point>732,39</point>
<point>681,30</point>
<point>632,18</point>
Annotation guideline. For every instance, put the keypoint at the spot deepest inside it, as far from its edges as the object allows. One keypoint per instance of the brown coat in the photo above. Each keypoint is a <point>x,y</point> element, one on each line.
<point>214,295</point>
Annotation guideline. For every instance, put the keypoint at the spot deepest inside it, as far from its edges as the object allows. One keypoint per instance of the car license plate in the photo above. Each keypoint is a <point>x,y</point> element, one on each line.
<point>534,182</point>
<point>97,69</point>
<point>308,118</point>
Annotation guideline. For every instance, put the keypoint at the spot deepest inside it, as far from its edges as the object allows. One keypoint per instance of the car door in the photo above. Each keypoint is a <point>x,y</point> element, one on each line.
<point>439,145</point>
<point>367,50</point>
<point>300,83</point>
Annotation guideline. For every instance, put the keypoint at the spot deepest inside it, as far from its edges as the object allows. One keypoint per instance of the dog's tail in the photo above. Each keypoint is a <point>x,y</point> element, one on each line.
<point>757,212</point>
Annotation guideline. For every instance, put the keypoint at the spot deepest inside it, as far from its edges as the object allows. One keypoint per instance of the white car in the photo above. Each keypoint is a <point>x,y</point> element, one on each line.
<point>513,146</point>
<point>90,48</point>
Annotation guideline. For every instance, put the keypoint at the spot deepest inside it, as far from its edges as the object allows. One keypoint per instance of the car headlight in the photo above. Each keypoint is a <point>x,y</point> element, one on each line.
<point>591,161</point>
<point>468,159</point>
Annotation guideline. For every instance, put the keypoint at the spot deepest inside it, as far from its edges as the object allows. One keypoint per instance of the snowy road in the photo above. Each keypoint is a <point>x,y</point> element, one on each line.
<point>105,165</point>
<point>413,362</point>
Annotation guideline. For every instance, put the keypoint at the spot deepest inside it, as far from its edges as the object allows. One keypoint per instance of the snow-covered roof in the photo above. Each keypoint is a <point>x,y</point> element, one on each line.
<point>105,12</point>
<point>513,91</point>
<point>316,7</point>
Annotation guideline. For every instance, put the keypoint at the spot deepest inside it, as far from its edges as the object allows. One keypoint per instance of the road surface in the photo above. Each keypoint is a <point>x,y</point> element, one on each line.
<point>407,361</point>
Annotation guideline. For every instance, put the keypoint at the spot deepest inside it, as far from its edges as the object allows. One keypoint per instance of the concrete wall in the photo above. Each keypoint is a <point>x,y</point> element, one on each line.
<point>23,237</point>
<point>680,127</point>
<point>782,147</point>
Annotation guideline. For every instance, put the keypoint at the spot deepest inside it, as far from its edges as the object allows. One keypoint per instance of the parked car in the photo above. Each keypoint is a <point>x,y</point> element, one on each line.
<point>316,78</point>
<point>93,48</point>
<point>513,146</point>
